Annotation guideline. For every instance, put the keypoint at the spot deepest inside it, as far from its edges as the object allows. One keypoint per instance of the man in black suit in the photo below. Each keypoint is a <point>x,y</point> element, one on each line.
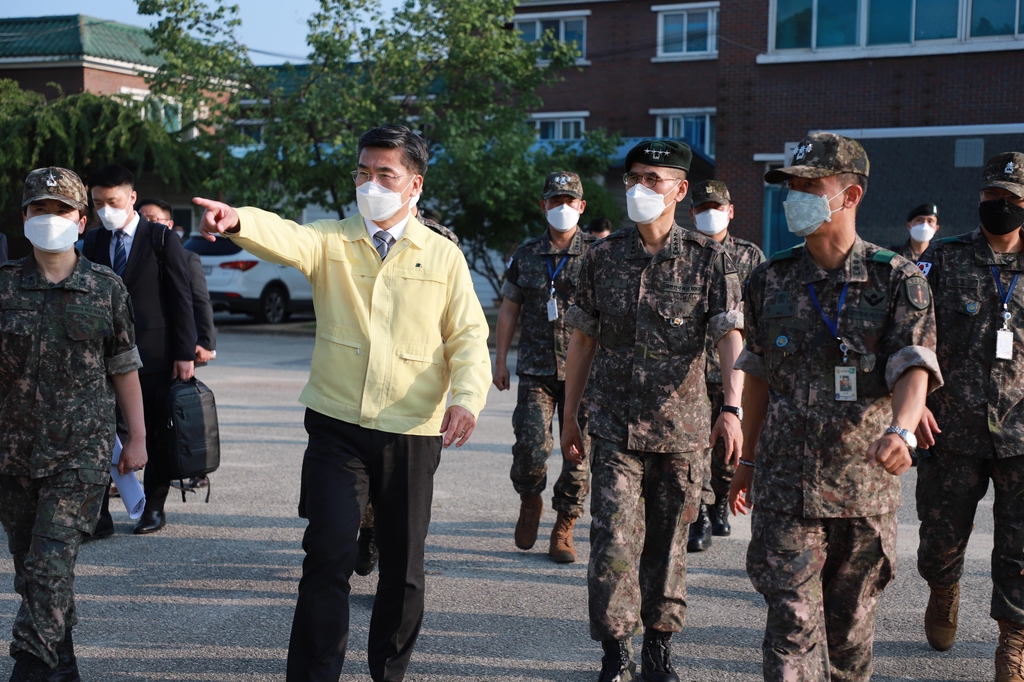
<point>165,329</point>
<point>159,211</point>
<point>3,247</point>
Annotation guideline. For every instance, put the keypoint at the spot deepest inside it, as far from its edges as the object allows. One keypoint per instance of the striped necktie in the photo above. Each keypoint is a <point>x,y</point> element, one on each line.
<point>383,240</point>
<point>120,255</point>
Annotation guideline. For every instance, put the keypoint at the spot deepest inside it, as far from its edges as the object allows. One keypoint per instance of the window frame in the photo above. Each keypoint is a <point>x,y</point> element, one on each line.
<point>711,8</point>
<point>559,118</point>
<point>963,42</point>
<point>662,125</point>
<point>561,18</point>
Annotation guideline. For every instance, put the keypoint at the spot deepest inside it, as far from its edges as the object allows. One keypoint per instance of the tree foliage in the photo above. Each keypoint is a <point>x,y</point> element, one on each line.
<point>450,69</point>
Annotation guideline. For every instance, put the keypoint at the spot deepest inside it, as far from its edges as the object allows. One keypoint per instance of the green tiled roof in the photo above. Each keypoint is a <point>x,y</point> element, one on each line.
<point>74,37</point>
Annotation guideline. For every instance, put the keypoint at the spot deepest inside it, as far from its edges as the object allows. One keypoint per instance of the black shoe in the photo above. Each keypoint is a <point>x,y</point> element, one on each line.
<point>67,664</point>
<point>367,559</point>
<point>151,522</point>
<point>655,663</point>
<point>28,668</point>
<point>700,532</point>
<point>719,514</point>
<point>104,527</point>
<point>617,663</point>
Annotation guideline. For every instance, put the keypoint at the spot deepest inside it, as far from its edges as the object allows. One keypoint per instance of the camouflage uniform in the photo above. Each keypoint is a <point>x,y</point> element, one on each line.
<point>440,229</point>
<point>906,250</point>
<point>59,345</point>
<point>649,416</point>
<point>541,367</point>
<point>823,543</point>
<point>981,414</point>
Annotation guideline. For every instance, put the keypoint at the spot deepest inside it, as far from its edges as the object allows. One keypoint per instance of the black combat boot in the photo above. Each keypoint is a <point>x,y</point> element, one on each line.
<point>719,513</point>
<point>655,663</point>
<point>67,664</point>
<point>700,532</point>
<point>617,664</point>
<point>28,668</point>
<point>367,559</point>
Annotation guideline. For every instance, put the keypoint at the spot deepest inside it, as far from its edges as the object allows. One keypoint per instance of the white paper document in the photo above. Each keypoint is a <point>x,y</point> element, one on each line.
<point>131,490</point>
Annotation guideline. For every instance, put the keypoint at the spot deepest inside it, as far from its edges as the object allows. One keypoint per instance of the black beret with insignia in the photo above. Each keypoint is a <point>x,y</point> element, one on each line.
<point>664,153</point>
<point>923,209</point>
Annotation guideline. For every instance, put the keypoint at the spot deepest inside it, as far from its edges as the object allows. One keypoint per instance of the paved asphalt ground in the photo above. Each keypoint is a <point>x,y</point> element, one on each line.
<point>211,596</point>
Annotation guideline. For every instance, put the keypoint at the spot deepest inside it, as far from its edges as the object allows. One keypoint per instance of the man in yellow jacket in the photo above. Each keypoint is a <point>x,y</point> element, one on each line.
<point>398,323</point>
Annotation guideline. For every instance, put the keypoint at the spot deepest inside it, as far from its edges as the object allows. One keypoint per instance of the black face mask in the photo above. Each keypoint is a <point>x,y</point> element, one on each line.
<point>1000,217</point>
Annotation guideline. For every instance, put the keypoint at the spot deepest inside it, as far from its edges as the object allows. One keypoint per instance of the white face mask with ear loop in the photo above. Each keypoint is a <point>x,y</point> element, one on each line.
<point>922,232</point>
<point>805,212</point>
<point>563,218</point>
<point>377,203</point>
<point>712,221</point>
<point>51,233</point>
<point>644,205</point>
<point>113,218</point>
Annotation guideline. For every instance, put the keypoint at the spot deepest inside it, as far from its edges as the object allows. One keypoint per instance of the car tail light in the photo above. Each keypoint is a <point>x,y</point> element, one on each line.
<point>232,295</point>
<point>243,265</point>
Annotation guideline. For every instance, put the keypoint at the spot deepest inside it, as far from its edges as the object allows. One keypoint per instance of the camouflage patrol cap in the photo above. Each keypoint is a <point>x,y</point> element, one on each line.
<point>820,155</point>
<point>562,183</point>
<point>1005,170</point>
<point>55,183</point>
<point>710,190</point>
<point>664,153</point>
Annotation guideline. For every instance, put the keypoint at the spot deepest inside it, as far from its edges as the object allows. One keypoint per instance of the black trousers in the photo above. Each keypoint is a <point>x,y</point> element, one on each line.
<point>344,466</point>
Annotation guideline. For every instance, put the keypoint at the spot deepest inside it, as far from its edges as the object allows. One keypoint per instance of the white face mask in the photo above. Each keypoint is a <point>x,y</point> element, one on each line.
<point>378,203</point>
<point>922,232</point>
<point>51,233</point>
<point>711,221</point>
<point>563,218</point>
<point>805,212</point>
<point>113,218</point>
<point>644,205</point>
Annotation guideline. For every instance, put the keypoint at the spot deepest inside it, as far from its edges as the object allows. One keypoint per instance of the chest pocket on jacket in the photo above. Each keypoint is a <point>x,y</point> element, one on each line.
<point>614,301</point>
<point>532,274</point>
<point>18,322</point>
<point>84,323</point>
<point>682,317</point>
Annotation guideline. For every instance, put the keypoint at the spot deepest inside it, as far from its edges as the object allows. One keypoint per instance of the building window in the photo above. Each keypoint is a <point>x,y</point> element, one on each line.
<point>569,30</point>
<point>823,24</point>
<point>695,128</point>
<point>689,29</point>
<point>566,126</point>
<point>969,153</point>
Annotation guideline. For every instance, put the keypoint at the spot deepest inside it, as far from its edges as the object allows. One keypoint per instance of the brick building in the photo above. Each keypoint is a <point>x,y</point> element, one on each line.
<point>930,96</point>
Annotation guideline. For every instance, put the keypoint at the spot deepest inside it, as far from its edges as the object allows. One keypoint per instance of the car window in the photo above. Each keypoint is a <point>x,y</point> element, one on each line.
<point>221,247</point>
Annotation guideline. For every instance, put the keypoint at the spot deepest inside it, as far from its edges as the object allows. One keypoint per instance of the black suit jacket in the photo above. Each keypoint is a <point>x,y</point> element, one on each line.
<point>202,309</point>
<point>165,330</point>
<point>3,247</point>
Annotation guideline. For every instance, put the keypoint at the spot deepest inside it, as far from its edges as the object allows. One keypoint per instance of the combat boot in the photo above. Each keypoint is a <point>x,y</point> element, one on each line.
<point>561,550</point>
<point>28,668</point>
<point>530,511</point>
<point>617,663</point>
<point>67,663</point>
<point>700,532</point>
<point>1010,652</point>
<point>940,617</point>
<point>655,659</point>
<point>367,559</point>
<point>719,514</point>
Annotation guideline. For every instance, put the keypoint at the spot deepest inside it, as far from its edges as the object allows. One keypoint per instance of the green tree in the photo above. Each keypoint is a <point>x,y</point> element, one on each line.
<point>450,69</point>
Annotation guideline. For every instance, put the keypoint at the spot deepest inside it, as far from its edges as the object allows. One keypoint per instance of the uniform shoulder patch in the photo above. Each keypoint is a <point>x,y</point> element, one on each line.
<point>918,292</point>
<point>102,270</point>
<point>883,256</point>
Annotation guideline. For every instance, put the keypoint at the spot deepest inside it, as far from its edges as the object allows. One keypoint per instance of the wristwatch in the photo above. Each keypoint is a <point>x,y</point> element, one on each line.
<point>738,411</point>
<point>908,437</point>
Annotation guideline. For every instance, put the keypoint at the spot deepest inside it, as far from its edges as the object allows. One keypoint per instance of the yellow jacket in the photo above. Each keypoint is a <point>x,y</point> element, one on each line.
<point>391,336</point>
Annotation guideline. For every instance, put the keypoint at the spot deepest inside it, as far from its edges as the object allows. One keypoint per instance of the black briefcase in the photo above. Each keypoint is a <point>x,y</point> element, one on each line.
<point>193,437</point>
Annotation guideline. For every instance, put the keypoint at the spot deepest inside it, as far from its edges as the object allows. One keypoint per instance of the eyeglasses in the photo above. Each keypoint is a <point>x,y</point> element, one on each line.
<point>385,179</point>
<point>649,180</point>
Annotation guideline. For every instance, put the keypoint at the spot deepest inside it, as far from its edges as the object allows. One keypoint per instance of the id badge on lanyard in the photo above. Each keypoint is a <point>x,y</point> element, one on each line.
<point>552,274</point>
<point>1004,336</point>
<point>845,375</point>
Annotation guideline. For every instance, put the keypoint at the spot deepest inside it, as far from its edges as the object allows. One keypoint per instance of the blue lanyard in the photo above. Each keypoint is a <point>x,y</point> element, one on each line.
<point>833,325</point>
<point>553,274</point>
<point>1005,297</point>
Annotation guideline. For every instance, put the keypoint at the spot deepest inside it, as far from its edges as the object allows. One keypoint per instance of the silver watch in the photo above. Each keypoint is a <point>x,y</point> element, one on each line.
<point>908,437</point>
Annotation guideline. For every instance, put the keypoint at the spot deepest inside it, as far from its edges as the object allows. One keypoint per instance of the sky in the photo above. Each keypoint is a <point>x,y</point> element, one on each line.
<point>267,25</point>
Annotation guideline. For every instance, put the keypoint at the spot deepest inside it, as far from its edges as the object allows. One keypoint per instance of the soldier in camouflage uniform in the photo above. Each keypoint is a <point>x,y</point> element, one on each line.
<point>67,348</point>
<point>541,283</point>
<point>922,224</point>
<point>711,213</point>
<point>981,413</point>
<point>648,297</point>
<point>840,339</point>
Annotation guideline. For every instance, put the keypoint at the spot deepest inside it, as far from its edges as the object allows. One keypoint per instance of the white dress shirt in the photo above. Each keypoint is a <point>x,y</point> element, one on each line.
<point>129,237</point>
<point>396,231</point>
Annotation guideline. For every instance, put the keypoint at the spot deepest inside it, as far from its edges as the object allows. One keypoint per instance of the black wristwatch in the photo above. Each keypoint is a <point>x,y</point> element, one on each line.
<point>738,411</point>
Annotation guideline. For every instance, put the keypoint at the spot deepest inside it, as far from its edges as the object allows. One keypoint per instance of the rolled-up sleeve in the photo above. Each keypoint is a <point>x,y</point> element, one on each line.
<point>583,314</point>
<point>913,356</point>
<point>724,295</point>
<point>120,356</point>
<point>911,341</point>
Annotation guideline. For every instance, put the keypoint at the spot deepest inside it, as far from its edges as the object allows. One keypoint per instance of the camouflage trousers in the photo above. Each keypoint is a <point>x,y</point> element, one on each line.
<point>540,398</point>
<point>821,579</point>
<point>949,487</point>
<point>717,474</point>
<point>642,507</point>
<point>45,520</point>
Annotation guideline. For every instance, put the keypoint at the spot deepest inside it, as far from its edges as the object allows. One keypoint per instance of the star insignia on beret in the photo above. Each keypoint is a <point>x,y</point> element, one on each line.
<point>1009,168</point>
<point>51,181</point>
<point>656,154</point>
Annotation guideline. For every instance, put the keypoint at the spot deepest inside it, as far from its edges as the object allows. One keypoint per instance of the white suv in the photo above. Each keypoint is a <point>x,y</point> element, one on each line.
<point>239,282</point>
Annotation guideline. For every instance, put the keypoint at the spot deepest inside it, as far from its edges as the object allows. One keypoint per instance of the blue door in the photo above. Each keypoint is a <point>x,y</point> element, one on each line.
<point>776,235</point>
